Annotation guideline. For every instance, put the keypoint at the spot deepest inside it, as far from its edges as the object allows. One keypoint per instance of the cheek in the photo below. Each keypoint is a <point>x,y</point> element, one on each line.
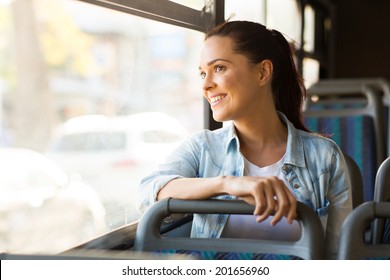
<point>228,82</point>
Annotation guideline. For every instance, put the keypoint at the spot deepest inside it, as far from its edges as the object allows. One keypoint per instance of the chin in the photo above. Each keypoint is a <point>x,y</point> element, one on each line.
<point>220,118</point>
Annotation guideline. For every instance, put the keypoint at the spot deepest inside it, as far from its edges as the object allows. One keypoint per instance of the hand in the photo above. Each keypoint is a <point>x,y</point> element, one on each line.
<point>269,195</point>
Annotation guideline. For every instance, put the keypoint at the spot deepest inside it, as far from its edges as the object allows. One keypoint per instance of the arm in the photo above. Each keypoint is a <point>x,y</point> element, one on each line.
<point>182,163</point>
<point>178,178</point>
<point>258,191</point>
<point>340,198</point>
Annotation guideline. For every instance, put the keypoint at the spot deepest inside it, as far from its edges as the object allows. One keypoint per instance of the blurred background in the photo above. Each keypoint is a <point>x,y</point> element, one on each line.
<point>92,100</point>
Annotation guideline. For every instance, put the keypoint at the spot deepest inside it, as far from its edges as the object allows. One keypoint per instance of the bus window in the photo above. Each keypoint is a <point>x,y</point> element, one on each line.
<point>311,71</point>
<point>309,32</point>
<point>103,96</point>
<point>311,66</point>
<point>238,10</point>
<point>283,15</point>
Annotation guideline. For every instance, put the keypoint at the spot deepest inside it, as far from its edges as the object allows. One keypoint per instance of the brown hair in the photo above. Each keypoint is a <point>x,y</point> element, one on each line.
<point>257,43</point>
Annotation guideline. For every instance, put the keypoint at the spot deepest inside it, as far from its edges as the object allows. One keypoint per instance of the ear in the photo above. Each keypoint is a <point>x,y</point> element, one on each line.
<point>265,70</point>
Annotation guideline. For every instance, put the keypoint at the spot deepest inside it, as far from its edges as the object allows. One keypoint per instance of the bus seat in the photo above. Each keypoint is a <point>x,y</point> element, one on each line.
<point>149,238</point>
<point>356,181</point>
<point>352,244</point>
<point>381,227</point>
<point>353,117</point>
<point>379,84</point>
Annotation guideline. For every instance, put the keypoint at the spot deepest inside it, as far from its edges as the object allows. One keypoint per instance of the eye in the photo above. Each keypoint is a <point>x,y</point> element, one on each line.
<point>219,68</point>
<point>202,75</point>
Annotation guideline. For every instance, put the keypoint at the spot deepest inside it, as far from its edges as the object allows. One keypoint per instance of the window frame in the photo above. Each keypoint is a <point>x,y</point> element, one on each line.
<point>165,11</point>
<point>323,39</point>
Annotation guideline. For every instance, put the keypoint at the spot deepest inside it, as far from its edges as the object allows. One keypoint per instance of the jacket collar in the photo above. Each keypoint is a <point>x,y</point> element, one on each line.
<point>294,152</point>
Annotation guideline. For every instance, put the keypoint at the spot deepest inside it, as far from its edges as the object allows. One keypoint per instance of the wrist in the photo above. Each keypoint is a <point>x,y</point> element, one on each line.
<point>223,184</point>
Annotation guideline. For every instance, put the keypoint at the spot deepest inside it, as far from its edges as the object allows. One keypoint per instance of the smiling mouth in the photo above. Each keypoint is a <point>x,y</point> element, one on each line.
<point>216,99</point>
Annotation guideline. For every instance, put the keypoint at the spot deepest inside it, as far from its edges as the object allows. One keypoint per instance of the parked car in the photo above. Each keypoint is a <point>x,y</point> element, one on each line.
<point>112,154</point>
<point>42,210</point>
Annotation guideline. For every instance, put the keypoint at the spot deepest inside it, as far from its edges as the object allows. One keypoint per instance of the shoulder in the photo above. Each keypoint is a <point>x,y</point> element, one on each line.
<point>213,142</point>
<point>321,151</point>
<point>308,144</point>
<point>317,141</point>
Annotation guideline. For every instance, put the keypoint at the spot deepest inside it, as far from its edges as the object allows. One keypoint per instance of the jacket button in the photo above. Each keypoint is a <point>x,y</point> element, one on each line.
<point>296,186</point>
<point>285,167</point>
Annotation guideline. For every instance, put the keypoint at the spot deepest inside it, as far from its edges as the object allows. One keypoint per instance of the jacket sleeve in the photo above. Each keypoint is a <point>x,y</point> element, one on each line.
<point>182,163</point>
<point>340,201</point>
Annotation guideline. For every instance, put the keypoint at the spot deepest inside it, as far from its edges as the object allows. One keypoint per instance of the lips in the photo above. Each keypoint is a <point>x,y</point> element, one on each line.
<point>216,99</point>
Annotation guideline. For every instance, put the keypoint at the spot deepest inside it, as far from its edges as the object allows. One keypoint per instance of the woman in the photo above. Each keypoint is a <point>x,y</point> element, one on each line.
<point>266,156</point>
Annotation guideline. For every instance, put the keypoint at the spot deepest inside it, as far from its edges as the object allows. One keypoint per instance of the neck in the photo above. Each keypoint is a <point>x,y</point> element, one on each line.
<point>263,138</point>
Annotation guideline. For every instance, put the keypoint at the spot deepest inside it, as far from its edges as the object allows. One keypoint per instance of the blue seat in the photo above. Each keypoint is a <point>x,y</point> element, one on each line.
<point>149,238</point>
<point>352,116</point>
<point>380,85</point>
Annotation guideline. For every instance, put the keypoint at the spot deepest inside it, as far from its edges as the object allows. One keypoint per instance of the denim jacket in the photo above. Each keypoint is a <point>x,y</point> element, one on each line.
<point>313,165</point>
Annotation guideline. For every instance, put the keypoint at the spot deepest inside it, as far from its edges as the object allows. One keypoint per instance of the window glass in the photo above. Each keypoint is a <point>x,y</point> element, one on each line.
<point>252,10</point>
<point>309,29</point>
<point>104,97</point>
<point>91,142</point>
<point>284,16</point>
<point>311,71</point>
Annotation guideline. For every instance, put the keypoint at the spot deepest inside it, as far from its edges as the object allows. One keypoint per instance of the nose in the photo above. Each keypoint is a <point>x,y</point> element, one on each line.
<point>208,83</point>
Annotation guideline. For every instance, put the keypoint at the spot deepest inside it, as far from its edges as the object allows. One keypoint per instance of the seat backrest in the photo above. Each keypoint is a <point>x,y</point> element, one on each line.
<point>148,236</point>
<point>382,182</point>
<point>352,244</point>
<point>353,117</point>
<point>381,227</point>
<point>379,84</point>
<point>356,181</point>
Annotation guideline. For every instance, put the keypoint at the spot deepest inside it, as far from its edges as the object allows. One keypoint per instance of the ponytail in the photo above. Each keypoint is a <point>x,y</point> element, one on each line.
<point>288,87</point>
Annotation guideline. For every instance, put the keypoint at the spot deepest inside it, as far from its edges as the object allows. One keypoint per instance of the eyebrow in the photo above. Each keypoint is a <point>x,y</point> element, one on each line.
<point>216,60</point>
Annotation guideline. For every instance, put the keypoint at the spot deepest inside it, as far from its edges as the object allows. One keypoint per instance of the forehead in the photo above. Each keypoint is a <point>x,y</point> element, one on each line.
<point>217,47</point>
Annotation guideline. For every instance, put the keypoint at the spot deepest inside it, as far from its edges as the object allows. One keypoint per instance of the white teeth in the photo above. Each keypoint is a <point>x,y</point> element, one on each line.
<point>217,98</point>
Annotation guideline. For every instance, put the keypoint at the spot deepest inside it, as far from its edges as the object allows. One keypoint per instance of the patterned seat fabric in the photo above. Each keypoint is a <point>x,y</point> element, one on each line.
<point>355,136</point>
<point>213,255</point>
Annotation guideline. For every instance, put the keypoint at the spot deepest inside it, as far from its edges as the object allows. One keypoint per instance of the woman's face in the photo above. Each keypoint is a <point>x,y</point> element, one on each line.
<point>230,80</point>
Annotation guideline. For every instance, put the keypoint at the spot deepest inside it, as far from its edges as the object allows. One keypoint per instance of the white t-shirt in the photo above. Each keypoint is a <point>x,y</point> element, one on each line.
<point>245,226</point>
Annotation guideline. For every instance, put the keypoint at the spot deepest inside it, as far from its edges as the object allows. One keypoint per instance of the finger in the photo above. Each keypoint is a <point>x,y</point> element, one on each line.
<point>292,213</point>
<point>270,206</point>
<point>260,200</point>
<point>282,201</point>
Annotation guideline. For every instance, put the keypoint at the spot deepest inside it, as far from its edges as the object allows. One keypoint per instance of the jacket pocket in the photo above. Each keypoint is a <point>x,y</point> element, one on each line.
<point>323,211</point>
